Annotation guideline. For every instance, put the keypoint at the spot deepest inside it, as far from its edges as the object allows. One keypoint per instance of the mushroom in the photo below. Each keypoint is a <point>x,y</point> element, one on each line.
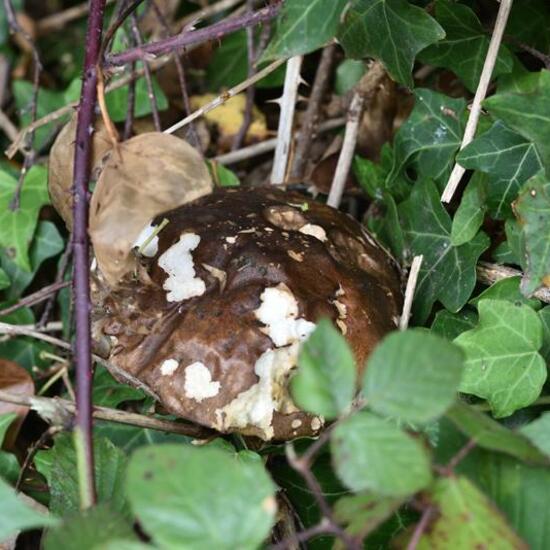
<point>238,280</point>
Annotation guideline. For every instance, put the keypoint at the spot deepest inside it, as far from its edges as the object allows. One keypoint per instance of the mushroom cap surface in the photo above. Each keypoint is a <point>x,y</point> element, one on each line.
<point>213,321</point>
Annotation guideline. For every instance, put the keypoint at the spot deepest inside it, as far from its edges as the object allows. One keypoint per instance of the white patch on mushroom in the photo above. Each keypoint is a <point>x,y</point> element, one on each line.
<point>314,230</point>
<point>279,312</point>
<point>316,424</point>
<point>255,406</point>
<point>168,367</point>
<point>177,261</point>
<point>341,308</point>
<point>231,240</point>
<point>152,246</point>
<point>297,256</point>
<point>295,423</point>
<point>198,383</point>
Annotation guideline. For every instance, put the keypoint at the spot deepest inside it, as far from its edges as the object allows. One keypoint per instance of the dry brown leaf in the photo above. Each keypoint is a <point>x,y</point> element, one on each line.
<point>60,169</point>
<point>154,173</point>
<point>17,381</point>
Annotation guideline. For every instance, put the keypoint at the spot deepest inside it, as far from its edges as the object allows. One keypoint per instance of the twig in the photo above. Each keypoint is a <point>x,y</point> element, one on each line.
<point>324,527</point>
<point>221,99</point>
<point>286,119</point>
<point>270,144</point>
<point>207,12</point>
<point>111,415</point>
<point>311,116</point>
<point>81,272</point>
<point>481,92</point>
<point>364,90</point>
<point>35,297</point>
<point>420,528</point>
<point>409,292</point>
<point>131,106</point>
<point>213,32</point>
<point>491,273</point>
<point>148,79</point>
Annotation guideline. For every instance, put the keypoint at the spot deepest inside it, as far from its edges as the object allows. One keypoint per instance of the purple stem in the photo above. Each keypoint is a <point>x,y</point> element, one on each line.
<point>213,32</point>
<point>81,273</point>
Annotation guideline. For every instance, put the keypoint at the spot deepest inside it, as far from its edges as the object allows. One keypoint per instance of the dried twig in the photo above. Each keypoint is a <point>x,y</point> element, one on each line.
<point>311,116</point>
<point>409,292</point>
<point>35,297</point>
<point>221,99</point>
<point>286,120</point>
<point>481,92</point>
<point>205,13</point>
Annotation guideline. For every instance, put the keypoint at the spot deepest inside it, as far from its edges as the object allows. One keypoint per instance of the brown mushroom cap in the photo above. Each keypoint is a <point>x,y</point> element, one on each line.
<point>239,279</point>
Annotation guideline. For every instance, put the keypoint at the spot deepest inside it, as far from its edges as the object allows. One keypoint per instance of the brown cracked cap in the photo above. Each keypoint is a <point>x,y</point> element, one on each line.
<point>239,280</point>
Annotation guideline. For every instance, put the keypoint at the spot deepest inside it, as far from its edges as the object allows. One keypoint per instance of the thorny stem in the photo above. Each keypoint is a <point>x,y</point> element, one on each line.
<point>213,32</point>
<point>420,528</point>
<point>81,272</point>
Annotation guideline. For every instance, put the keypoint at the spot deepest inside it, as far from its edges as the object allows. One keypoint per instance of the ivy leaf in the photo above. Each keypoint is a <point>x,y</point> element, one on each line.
<point>533,213</point>
<point>413,375</point>
<point>502,360</point>
<point>494,436</point>
<point>450,325</point>
<point>393,31</point>
<point>427,227</point>
<point>509,160</point>
<point>371,454</point>
<point>506,289</point>
<point>471,211</point>
<point>303,26</point>
<point>538,432</point>
<point>529,22</point>
<point>4,280</point>
<point>430,137</point>
<point>467,517</point>
<point>17,227</point>
<point>58,466</point>
<point>464,48</point>
<point>325,381</point>
<point>201,498</point>
<point>527,113</point>
<point>544,316</point>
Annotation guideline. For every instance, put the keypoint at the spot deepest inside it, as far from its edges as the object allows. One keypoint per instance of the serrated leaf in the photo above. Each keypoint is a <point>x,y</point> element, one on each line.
<point>58,466</point>
<point>450,325</point>
<point>17,226</point>
<point>507,289</point>
<point>16,515</point>
<point>427,228</point>
<point>508,159</point>
<point>464,48</point>
<point>92,529</point>
<point>201,498</point>
<point>371,454</point>
<point>325,381</point>
<point>494,436</point>
<point>467,518</point>
<point>471,211</point>
<point>428,140</point>
<point>533,212</point>
<point>413,375</point>
<point>527,113</point>
<point>502,360</point>
<point>302,26</point>
<point>393,31</point>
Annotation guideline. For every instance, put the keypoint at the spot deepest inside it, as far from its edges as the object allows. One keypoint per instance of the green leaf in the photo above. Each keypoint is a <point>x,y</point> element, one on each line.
<point>58,466</point>
<point>90,530</point>
<point>413,375</point>
<point>371,454</point>
<point>302,26</point>
<point>427,227</point>
<point>17,227</point>
<point>450,325</point>
<point>370,175</point>
<point>325,381</point>
<point>348,74</point>
<point>508,159</point>
<point>428,140</point>
<point>494,436</point>
<point>464,48</point>
<point>107,392</point>
<point>4,26</point>
<point>393,31</point>
<point>4,280</point>
<point>502,363</point>
<point>506,289</point>
<point>222,176</point>
<point>538,432</point>
<point>471,212</point>
<point>529,22</point>
<point>16,515</point>
<point>533,212</point>
<point>9,466</point>
<point>466,517</point>
<point>527,113</point>
<point>544,316</point>
<point>201,498</point>
<point>363,513</point>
